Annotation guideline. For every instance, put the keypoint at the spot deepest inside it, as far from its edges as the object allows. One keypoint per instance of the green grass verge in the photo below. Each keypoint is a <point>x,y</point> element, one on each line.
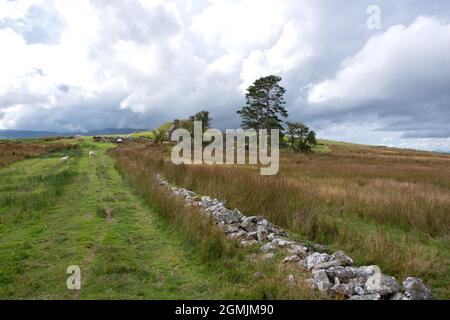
<point>52,216</point>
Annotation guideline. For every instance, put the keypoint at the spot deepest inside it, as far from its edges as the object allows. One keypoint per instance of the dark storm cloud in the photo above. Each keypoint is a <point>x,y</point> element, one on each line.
<point>403,73</point>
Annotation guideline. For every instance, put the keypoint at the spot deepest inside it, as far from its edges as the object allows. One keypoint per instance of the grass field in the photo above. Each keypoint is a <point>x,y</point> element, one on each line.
<point>383,206</point>
<point>19,150</point>
<point>52,216</point>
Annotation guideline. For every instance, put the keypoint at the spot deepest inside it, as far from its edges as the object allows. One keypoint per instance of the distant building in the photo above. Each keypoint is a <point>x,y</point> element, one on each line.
<point>176,125</point>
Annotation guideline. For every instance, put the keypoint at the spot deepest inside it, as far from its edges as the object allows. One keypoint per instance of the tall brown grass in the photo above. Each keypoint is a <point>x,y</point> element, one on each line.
<point>139,166</point>
<point>14,151</point>
<point>199,229</point>
<point>383,206</point>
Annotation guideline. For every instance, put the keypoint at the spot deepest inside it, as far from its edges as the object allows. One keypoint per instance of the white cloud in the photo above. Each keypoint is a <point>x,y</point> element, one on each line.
<point>403,63</point>
<point>16,9</point>
<point>288,53</point>
<point>10,115</point>
<point>241,25</point>
<point>401,77</point>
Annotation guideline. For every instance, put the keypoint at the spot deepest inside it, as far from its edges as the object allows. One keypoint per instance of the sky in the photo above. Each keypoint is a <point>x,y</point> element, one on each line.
<point>375,72</point>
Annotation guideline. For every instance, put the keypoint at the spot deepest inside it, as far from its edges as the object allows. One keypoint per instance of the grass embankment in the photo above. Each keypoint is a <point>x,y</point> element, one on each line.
<point>52,216</point>
<point>383,206</point>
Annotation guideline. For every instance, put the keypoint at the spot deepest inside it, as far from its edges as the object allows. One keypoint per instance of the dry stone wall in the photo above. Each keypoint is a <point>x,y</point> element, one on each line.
<point>332,274</point>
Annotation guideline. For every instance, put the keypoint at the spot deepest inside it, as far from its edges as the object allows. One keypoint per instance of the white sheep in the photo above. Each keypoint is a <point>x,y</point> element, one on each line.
<point>64,159</point>
<point>91,154</point>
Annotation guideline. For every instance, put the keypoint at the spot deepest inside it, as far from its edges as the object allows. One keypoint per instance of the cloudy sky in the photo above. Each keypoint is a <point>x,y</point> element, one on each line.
<point>91,64</point>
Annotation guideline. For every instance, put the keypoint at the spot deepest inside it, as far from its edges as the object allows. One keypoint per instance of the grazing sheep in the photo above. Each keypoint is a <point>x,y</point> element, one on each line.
<point>119,140</point>
<point>64,159</point>
<point>91,154</point>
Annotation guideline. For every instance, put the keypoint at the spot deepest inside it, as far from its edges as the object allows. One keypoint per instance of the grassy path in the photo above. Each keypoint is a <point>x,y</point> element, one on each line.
<point>52,216</point>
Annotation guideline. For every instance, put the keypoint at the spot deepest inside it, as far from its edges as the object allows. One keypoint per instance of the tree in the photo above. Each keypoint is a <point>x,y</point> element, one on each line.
<point>265,105</point>
<point>204,117</point>
<point>299,136</point>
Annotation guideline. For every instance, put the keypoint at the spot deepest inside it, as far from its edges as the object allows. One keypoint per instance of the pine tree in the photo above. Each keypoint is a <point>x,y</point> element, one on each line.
<point>265,105</point>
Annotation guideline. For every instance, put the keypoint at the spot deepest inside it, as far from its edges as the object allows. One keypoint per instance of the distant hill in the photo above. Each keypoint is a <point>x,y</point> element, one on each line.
<point>23,134</point>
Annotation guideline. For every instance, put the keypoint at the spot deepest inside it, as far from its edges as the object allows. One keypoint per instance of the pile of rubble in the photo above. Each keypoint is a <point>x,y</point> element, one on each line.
<point>332,274</point>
